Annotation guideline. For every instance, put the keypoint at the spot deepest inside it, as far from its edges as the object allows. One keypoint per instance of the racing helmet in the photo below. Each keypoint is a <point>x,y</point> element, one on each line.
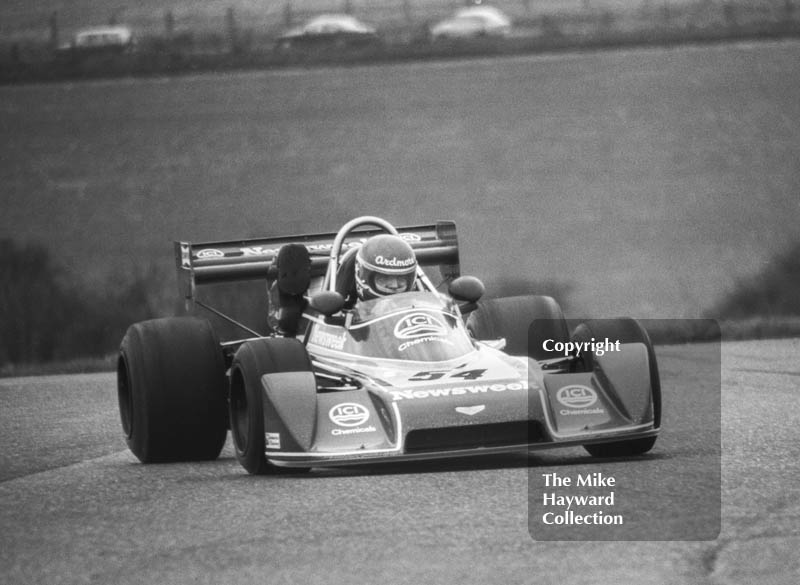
<point>385,265</point>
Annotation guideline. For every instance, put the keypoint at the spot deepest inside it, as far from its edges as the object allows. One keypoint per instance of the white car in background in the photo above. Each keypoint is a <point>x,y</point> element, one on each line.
<point>329,31</point>
<point>101,39</point>
<point>473,22</point>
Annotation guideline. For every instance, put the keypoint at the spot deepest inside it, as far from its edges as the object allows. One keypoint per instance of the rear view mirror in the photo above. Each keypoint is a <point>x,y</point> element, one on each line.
<point>467,289</point>
<point>327,302</point>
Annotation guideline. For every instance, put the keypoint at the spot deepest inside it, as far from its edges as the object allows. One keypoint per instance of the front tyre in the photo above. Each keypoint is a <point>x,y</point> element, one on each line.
<point>525,322</point>
<point>253,360</point>
<point>621,448</point>
<point>171,390</point>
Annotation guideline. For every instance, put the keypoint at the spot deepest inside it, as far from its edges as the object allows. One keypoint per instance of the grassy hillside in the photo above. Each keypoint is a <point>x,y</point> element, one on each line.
<point>647,183</point>
<point>653,180</point>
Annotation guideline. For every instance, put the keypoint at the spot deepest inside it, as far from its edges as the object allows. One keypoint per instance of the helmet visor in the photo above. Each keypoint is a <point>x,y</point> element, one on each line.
<point>389,284</point>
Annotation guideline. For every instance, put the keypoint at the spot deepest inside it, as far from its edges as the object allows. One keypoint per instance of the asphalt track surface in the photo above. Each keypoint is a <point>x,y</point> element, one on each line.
<point>76,506</point>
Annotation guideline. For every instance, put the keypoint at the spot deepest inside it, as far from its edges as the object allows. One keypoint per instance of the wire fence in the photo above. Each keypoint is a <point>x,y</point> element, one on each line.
<point>155,18</point>
<point>218,27</point>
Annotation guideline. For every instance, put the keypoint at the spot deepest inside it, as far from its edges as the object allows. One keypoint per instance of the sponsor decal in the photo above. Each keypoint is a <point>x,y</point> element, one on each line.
<point>312,248</point>
<point>273,440</point>
<point>259,251</point>
<point>356,431</point>
<point>394,262</point>
<point>324,247</point>
<point>427,376</point>
<point>327,339</point>
<point>349,414</point>
<point>576,396</point>
<point>405,345</point>
<point>417,325</point>
<point>583,411</point>
<point>210,253</point>
<point>457,390</point>
<point>471,410</point>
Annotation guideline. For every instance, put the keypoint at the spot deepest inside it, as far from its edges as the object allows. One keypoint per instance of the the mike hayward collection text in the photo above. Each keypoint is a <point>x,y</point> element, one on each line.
<point>579,509</point>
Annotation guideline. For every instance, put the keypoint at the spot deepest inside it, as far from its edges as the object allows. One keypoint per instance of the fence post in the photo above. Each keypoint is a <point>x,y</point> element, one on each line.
<point>729,11</point>
<point>527,5</point>
<point>550,26</point>
<point>169,24</point>
<point>53,31</point>
<point>288,17</point>
<point>116,16</point>
<point>231,30</point>
<point>606,20</point>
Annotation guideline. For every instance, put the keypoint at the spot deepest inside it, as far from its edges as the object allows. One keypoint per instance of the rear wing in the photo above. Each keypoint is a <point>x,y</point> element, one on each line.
<point>435,245</point>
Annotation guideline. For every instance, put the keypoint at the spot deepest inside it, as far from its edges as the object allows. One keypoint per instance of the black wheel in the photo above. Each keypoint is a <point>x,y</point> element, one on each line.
<point>171,390</point>
<point>253,360</point>
<point>524,321</point>
<point>626,330</point>
<point>621,448</point>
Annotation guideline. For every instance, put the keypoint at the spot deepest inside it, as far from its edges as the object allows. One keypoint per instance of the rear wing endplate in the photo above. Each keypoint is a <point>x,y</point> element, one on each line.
<point>435,245</point>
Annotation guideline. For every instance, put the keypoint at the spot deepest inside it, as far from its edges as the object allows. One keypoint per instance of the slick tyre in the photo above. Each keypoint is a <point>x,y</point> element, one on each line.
<point>171,390</point>
<point>253,360</point>
<point>626,330</point>
<point>524,321</point>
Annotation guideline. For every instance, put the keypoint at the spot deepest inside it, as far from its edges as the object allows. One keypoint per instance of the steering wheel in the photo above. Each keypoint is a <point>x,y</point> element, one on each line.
<point>329,283</point>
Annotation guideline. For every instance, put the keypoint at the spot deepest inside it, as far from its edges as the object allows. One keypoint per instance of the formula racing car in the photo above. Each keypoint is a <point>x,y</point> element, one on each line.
<point>433,372</point>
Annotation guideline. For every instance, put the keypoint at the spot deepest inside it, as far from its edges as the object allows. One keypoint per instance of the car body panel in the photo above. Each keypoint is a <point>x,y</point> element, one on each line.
<point>477,400</point>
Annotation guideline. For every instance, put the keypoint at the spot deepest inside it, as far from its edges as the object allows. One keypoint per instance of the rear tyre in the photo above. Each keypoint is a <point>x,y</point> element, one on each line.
<point>171,390</point>
<point>253,360</point>
<point>626,330</point>
<point>524,321</point>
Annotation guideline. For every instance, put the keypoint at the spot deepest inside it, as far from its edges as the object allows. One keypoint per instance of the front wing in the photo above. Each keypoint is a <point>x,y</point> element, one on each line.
<point>305,428</point>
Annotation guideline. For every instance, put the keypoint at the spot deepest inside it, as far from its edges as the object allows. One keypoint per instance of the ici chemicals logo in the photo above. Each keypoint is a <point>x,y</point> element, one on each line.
<point>576,396</point>
<point>418,325</point>
<point>210,253</point>
<point>349,414</point>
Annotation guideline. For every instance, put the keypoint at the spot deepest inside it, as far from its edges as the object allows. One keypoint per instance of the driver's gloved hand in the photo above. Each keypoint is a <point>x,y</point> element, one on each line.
<point>293,264</point>
<point>292,273</point>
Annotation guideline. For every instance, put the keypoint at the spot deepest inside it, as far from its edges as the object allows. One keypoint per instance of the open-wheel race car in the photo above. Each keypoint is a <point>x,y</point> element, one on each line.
<point>435,371</point>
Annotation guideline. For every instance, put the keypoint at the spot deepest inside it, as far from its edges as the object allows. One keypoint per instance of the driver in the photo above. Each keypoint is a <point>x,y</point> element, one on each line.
<point>384,265</point>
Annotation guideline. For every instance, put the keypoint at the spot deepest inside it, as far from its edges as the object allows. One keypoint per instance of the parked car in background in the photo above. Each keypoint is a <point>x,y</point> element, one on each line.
<point>473,22</point>
<point>329,31</point>
<point>100,40</point>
